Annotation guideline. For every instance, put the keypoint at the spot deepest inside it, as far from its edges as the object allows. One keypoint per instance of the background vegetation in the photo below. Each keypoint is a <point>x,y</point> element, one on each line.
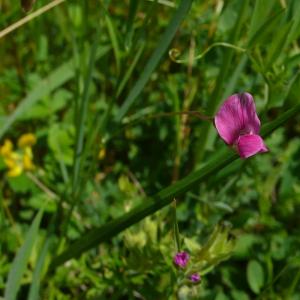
<point>90,147</point>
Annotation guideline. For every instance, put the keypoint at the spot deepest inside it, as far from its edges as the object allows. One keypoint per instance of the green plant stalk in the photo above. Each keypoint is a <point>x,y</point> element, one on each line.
<point>80,134</point>
<point>130,69</point>
<point>223,74</point>
<point>278,276</point>
<point>293,285</point>
<point>163,45</point>
<point>175,227</point>
<point>104,233</point>
<point>114,40</point>
<point>173,53</point>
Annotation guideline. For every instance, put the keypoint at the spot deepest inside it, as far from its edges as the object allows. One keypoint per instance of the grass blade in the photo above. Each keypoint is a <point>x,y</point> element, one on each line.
<point>261,11</point>
<point>156,56</point>
<point>130,69</point>
<point>224,157</point>
<point>36,277</point>
<point>114,40</point>
<point>20,261</point>
<point>265,29</point>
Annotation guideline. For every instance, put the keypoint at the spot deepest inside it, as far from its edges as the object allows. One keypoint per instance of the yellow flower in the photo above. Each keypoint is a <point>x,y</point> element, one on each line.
<point>14,164</point>
<point>7,148</point>
<point>26,140</point>
<point>12,159</point>
<point>27,159</point>
<point>16,171</point>
<point>19,161</point>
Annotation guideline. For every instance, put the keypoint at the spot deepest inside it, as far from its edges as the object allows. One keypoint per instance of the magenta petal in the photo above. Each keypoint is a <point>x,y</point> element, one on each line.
<point>181,259</point>
<point>237,116</point>
<point>250,144</point>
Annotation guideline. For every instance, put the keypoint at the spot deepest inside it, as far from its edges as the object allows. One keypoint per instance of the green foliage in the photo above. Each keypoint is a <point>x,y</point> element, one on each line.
<point>19,264</point>
<point>92,82</point>
<point>255,276</point>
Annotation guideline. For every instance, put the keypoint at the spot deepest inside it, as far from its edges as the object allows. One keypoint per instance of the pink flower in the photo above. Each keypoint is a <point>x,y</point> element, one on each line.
<point>195,277</point>
<point>238,125</point>
<point>181,259</point>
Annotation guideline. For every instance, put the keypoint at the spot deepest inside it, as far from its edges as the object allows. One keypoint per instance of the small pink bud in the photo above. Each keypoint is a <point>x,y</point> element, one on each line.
<point>195,278</point>
<point>181,259</point>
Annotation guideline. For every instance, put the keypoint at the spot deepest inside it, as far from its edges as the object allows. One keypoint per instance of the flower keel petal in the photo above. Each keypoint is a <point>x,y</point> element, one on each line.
<point>250,144</point>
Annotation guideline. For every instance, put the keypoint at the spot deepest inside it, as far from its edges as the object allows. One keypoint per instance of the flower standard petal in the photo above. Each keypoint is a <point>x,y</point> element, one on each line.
<point>226,121</point>
<point>247,114</point>
<point>237,116</point>
<point>250,144</point>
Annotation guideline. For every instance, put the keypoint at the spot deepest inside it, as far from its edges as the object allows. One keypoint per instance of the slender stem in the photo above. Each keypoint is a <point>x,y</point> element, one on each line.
<point>175,227</point>
<point>28,18</point>
<point>174,53</point>
<point>195,114</point>
<point>293,285</point>
<point>79,147</point>
<point>165,2</point>
<point>39,184</point>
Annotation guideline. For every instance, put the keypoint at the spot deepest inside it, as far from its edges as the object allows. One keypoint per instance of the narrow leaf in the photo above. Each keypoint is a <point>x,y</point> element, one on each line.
<point>36,278</point>
<point>20,261</point>
<point>277,46</point>
<point>261,11</point>
<point>163,45</point>
<point>265,29</point>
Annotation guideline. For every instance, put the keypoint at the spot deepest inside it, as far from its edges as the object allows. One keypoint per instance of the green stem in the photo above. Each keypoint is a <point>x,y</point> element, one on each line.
<point>176,228</point>
<point>174,53</point>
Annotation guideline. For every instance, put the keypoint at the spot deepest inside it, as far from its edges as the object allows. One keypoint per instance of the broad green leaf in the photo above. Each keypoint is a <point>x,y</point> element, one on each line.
<point>60,141</point>
<point>221,296</point>
<point>56,79</point>
<point>163,45</point>
<point>255,276</point>
<point>239,295</point>
<point>21,259</point>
